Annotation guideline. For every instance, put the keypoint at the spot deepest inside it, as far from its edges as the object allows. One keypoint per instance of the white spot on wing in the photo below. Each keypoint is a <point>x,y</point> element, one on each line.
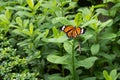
<point>63,28</point>
<point>82,30</point>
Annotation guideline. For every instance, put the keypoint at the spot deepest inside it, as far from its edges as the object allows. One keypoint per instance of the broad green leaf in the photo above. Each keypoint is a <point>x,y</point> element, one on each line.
<point>58,77</point>
<point>103,12</point>
<point>37,5</point>
<point>86,63</point>
<point>25,23</point>
<point>4,19</point>
<point>68,46</point>
<point>8,14</point>
<point>89,23</point>
<point>108,36</point>
<point>58,59</point>
<point>31,28</point>
<point>19,21</point>
<point>105,24</point>
<point>55,32</point>
<point>95,49</point>
<point>60,39</point>
<point>62,20</point>
<point>25,13</point>
<point>30,3</point>
<point>78,19</point>
<point>106,75</point>
<point>113,74</point>
<point>90,78</point>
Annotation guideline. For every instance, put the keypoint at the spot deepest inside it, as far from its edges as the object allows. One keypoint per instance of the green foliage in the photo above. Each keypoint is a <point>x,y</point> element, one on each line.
<point>32,46</point>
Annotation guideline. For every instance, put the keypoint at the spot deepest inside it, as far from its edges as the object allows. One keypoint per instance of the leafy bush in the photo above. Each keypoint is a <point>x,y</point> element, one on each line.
<point>33,47</point>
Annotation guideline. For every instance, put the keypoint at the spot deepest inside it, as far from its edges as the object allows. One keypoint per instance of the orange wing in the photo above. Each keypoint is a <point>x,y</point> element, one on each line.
<point>67,28</point>
<point>72,32</point>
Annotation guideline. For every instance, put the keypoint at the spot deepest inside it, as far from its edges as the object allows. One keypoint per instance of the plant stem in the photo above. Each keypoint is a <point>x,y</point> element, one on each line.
<point>73,61</point>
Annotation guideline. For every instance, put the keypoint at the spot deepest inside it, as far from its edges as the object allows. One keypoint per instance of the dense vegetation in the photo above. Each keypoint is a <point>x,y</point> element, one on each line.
<point>33,47</point>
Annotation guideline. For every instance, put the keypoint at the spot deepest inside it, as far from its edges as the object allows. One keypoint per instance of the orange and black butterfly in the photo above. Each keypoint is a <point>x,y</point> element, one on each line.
<point>72,32</point>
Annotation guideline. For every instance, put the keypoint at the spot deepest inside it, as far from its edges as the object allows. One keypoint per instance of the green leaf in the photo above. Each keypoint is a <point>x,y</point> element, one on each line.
<point>8,14</point>
<point>60,39</point>
<point>31,28</point>
<point>95,49</point>
<point>106,75</point>
<point>4,19</point>
<point>78,19</point>
<point>25,23</point>
<point>86,63</point>
<point>55,32</point>
<point>108,36</point>
<point>62,20</point>
<point>90,78</point>
<point>113,74</point>
<point>89,22</point>
<point>37,5</point>
<point>68,46</point>
<point>30,3</point>
<point>58,59</point>
<point>19,21</point>
<point>105,24</point>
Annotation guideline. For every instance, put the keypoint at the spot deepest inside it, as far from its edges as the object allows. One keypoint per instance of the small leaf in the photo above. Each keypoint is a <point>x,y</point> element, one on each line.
<point>105,24</point>
<point>87,63</point>
<point>78,19</point>
<point>30,3</point>
<point>19,21</point>
<point>106,75</point>
<point>55,32</point>
<point>4,19</point>
<point>95,49</point>
<point>108,36</point>
<point>31,28</point>
<point>25,23</point>
<point>37,5</point>
<point>8,14</point>
<point>113,74</point>
<point>62,20</point>
<point>58,59</point>
<point>68,46</point>
<point>60,39</point>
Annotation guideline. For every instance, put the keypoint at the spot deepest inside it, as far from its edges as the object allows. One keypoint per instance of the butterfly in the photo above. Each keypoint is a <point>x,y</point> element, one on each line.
<point>72,32</point>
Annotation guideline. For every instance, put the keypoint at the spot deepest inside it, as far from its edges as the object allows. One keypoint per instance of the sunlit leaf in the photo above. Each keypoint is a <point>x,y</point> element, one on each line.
<point>86,63</point>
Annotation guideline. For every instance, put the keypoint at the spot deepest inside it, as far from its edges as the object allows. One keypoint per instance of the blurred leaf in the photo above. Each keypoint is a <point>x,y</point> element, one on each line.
<point>58,59</point>
<point>78,19</point>
<point>8,14</point>
<point>95,49</point>
<point>86,63</point>
<point>89,22</point>
<point>68,46</point>
<point>106,75</point>
<point>55,32</point>
<point>19,21</point>
<point>62,20</point>
<point>60,39</point>
<point>37,5</point>
<point>30,3</point>
<point>4,19</point>
<point>31,28</point>
<point>113,74</point>
<point>105,24</point>
<point>103,12</point>
<point>108,36</point>
<point>90,78</point>
<point>25,23</point>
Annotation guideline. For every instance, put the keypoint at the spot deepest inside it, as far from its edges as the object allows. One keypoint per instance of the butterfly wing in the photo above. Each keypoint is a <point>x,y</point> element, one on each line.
<point>67,28</point>
<point>72,32</point>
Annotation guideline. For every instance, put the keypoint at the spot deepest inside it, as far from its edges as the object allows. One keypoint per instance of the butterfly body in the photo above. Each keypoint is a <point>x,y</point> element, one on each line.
<point>72,32</point>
